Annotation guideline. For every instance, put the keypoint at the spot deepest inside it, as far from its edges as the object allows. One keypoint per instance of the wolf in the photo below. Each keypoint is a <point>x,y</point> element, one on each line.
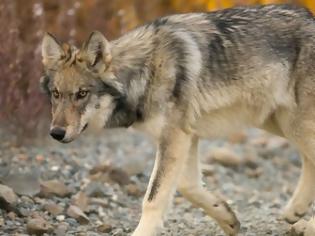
<point>184,77</point>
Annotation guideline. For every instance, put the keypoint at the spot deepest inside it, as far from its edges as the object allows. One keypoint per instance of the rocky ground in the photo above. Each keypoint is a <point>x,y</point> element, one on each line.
<point>94,185</point>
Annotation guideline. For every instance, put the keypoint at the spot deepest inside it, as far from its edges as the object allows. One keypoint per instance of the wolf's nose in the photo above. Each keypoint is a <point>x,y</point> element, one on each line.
<point>58,133</point>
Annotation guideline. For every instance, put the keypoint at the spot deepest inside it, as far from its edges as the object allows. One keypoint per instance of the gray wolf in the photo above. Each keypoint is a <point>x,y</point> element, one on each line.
<point>190,76</point>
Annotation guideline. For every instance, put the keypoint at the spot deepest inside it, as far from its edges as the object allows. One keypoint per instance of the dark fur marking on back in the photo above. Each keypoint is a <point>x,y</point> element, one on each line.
<point>159,22</point>
<point>181,78</point>
<point>178,47</point>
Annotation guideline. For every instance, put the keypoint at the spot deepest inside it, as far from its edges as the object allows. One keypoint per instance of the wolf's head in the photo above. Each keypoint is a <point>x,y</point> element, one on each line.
<point>82,86</point>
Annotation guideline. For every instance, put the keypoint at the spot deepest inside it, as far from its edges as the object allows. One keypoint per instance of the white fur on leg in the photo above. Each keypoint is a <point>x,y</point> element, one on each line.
<point>150,224</point>
<point>169,164</point>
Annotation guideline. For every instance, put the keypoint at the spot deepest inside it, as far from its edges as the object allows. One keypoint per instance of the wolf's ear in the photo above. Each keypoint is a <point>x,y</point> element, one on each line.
<point>52,52</point>
<point>96,51</point>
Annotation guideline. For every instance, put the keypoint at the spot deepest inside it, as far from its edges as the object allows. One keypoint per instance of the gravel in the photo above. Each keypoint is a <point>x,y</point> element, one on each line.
<point>112,170</point>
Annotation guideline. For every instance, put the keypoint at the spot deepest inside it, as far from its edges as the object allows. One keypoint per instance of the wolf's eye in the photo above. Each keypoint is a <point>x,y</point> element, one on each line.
<point>55,94</point>
<point>82,94</point>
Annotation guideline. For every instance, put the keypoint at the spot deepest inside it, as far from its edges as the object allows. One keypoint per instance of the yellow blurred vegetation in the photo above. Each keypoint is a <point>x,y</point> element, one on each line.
<point>187,5</point>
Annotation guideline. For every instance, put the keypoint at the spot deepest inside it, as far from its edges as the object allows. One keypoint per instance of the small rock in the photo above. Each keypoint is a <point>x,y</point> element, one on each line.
<point>76,213</point>
<point>133,190</point>
<point>39,200</point>
<point>277,143</point>
<point>55,168</point>
<point>22,157</point>
<point>27,200</point>
<point>96,189</point>
<point>60,218</point>
<point>259,142</point>
<point>24,212</point>
<point>238,137</point>
<point>207,170</point>
<point>105,228</point>
<point>7,197</point>
<point>100,168</point>
<point>107,173</point>
<point>99,201</point>
<point>225,157</point>
<point>310,228</point>
<point>81,200</point>
<point>38,226</point>
<point>250,158</point>
<point>53,209</point>
<point>54,187</point>
<point>298,228</point>
<point>254,173</point>
<point>35,214</point>
<point>11,215</point>
<point>4,171</point>
<point>212,180</point>
<point>119,176</point>
<point>40,158</point>
<point>134,167</point>
<point>61,229</point>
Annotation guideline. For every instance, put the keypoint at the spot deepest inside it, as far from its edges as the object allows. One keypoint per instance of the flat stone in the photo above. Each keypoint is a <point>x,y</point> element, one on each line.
<point>61,229</point>
<point>54,187</point>
<point>225,157</point>
<point>23,183</point>
<point>119,176</point>
<point>105,228</point>
<point>38,226</point>
<point>7,197</point>
<point>133,190</point>
<point>53,208</point>
<point>76,213</point>
<point>298,228</point>
<point>310,228</point>
<point>81,200</point>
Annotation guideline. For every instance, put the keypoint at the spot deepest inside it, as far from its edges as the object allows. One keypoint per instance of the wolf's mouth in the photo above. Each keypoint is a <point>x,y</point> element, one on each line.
<point>69,140</point>
<point>66,141</point>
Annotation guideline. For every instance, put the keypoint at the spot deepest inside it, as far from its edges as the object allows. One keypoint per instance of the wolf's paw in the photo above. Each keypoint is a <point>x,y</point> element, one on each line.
<point>148,228</point>
<point>292,215</point>
<point>231,228</point>
<point>230,225</point>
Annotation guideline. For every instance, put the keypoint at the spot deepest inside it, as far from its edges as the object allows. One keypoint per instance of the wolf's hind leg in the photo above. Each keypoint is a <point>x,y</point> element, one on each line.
<point>301,131</point>
<point>190,186</point>
<point>304,194</point>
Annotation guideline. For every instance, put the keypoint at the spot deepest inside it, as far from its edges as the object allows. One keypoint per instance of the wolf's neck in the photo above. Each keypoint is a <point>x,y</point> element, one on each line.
<point>132,52</point>
<point>131,62</point>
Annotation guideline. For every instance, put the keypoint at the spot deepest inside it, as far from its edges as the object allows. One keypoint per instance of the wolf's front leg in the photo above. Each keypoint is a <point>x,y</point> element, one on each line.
<point>170,160</point>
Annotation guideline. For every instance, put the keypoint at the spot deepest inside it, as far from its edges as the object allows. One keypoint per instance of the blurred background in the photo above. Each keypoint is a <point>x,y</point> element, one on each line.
<point>22,24</point>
